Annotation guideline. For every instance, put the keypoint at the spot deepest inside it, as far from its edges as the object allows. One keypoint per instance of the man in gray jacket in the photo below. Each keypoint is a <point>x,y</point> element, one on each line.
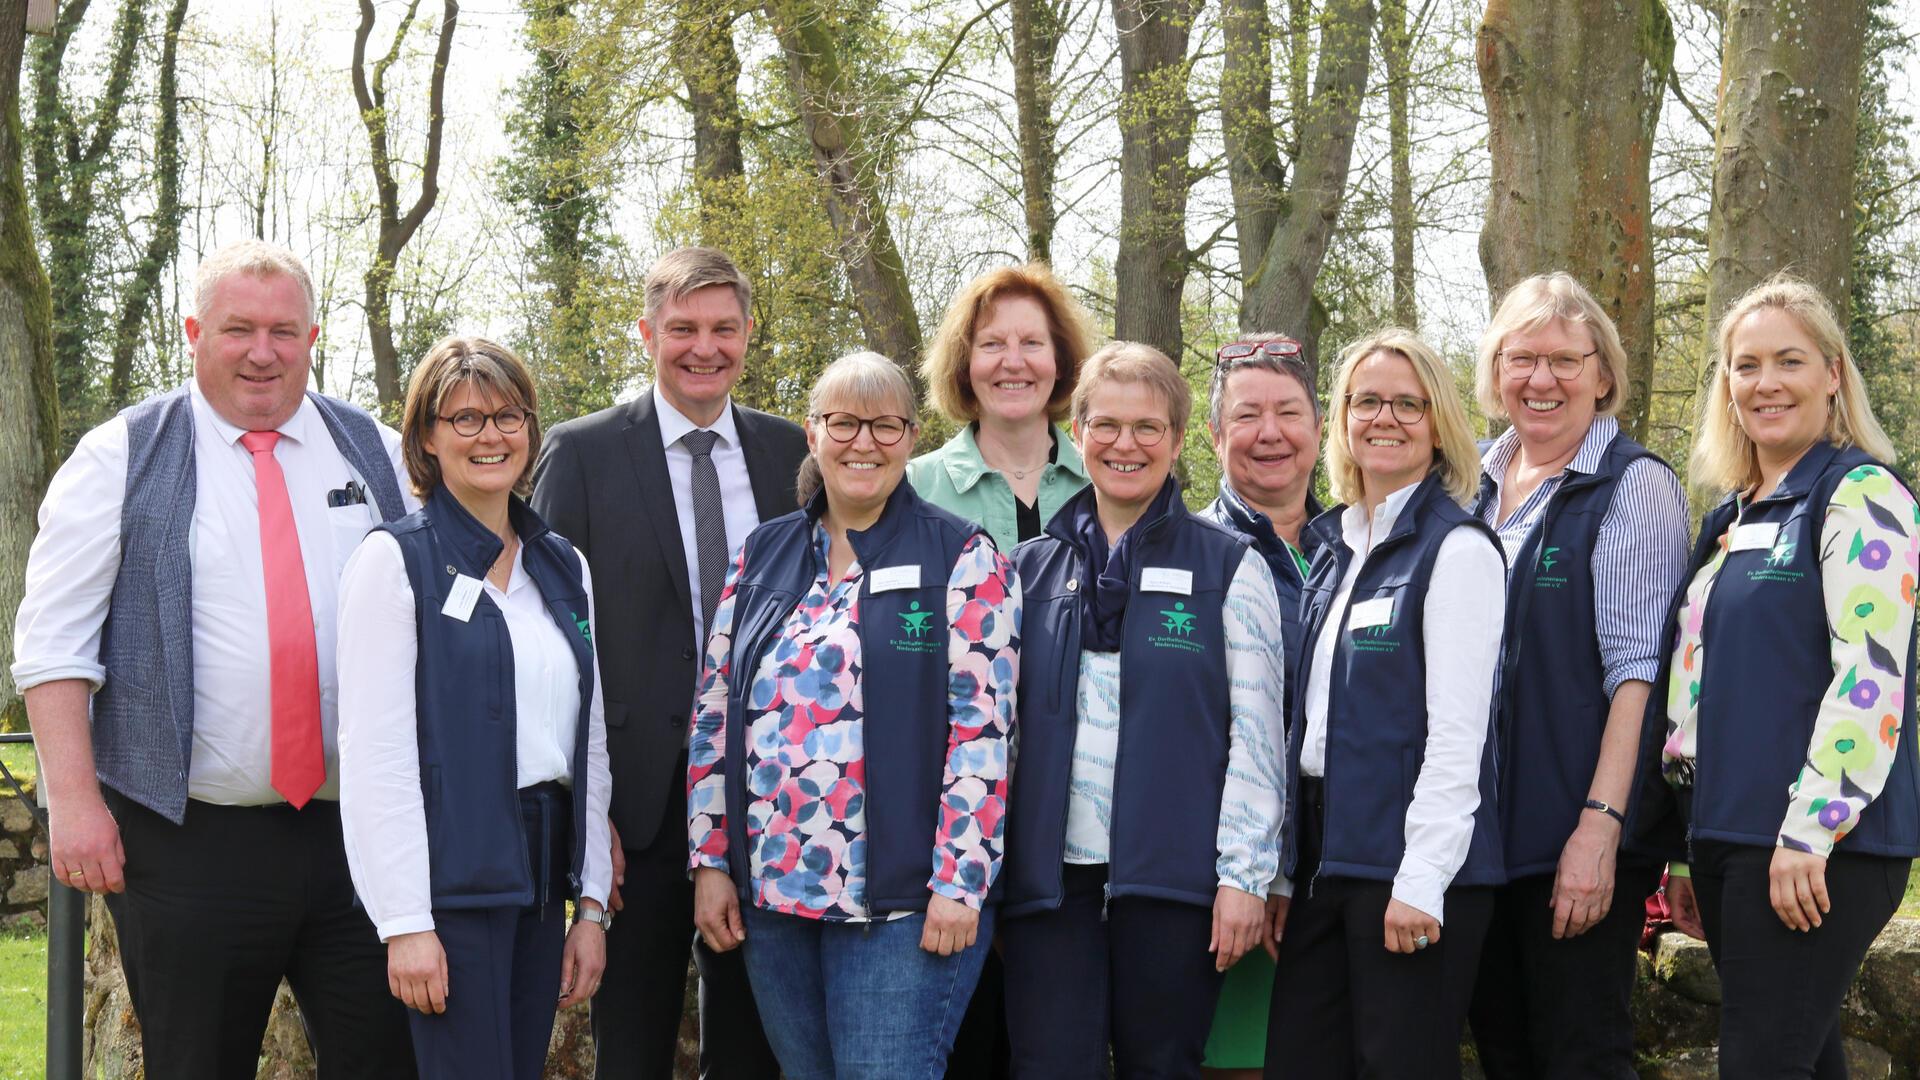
<point>176,651</point>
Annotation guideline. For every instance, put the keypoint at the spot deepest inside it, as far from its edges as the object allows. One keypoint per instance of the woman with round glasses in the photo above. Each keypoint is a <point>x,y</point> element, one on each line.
<point>1003,365</point>
<point>1780,759</point>
<point>1147,803</point>
<point>473,750</point>
<point>854,859</point>
<point>1594,528</point>
<point>1392,837</point>
<point>1265,422</point>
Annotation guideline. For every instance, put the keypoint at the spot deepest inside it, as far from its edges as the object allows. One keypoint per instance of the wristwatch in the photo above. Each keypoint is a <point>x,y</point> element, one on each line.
<point>599,916</point>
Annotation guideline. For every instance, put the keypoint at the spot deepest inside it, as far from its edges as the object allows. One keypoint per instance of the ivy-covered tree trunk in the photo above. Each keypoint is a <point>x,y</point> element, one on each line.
<point>164,242</point>
<point>1281,261</point>
<point>710,66</point>
<point>1156,128</point>
<point>1395,48</point>
<point>30,417</point>
<point>847,163</point>
<point>1573,92</point>
<point>1036,40</point>
<point>1783,173</point>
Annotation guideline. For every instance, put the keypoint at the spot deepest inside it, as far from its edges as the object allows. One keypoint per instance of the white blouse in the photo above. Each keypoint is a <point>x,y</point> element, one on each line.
<point>381,806</point>
<point>1465,614</point>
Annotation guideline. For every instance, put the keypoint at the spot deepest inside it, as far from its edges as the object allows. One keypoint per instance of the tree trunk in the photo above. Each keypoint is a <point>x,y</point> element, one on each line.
<point>1156,126</point>
<point>710,66</point>
<point>829,111</point>
<point>165,241</point>
<point>1573,92</point>
<point>1394,41</point>
<point>30,422</point>
<point>1036,40</point>
<point>1784,148</point>
<point>396,229</point>
<point>69,152</point>
<point>1278,278</point>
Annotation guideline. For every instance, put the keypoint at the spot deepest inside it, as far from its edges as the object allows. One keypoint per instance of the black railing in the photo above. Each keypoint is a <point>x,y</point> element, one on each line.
<point>66,956</point>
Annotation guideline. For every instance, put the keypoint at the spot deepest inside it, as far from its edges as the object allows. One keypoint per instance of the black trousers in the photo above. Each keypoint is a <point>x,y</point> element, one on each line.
<point>982,1050</point>
<point>1135,972</point>
<point>218,909</point>
<point>1343,1006</point>
<point>1559,1010</point>
<point>1781,989</point>
<point>636,1014</point>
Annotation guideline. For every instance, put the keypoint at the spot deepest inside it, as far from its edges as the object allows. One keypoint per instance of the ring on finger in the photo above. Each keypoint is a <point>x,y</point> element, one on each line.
<point>1422,941</point>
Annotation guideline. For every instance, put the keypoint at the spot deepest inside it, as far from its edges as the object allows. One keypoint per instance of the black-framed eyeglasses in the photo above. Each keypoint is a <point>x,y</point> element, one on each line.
<point>1406,408</point>
<point>1561,365</point>
<point>844,427</point>
<point>470,422</point>
<point>1286,350</point>
<point>1106,431</point>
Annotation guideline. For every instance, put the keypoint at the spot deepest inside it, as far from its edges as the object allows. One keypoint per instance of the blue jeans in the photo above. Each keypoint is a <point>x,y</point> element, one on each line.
<point>858,1001</point>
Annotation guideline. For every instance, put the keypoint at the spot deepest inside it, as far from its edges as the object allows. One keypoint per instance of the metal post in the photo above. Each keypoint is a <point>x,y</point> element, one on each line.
<point>66,959</point>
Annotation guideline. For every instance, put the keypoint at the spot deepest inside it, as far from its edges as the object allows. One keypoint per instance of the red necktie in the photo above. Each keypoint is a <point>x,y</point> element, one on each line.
<point>299,764</point>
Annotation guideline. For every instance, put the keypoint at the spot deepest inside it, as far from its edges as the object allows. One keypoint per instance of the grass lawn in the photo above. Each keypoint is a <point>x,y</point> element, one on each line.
<point>19,760</point>
<point>23,1004</point>
<point>1912,904</point>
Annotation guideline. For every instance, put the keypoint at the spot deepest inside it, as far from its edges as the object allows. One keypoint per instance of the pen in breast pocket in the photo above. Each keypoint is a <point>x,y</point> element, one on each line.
<point>350,495</point>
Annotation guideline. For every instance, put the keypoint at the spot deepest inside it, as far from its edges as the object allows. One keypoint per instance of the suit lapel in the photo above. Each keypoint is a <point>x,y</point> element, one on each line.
<point>769,487</point>
<point>656,490</point>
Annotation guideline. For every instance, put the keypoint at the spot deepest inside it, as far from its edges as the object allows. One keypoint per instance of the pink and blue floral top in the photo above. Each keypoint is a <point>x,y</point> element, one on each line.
<point>805,764</point>
<point>1869,556</point>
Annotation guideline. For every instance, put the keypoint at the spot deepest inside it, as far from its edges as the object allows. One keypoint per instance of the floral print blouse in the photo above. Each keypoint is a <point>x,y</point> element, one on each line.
<point>805,763</point>
<point>1869,557</point>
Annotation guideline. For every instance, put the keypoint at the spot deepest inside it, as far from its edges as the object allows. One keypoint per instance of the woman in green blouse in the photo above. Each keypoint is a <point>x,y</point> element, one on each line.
<point>1004,364</point>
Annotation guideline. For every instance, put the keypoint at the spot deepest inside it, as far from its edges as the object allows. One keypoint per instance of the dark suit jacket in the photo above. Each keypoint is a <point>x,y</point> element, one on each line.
<point>601,482</point>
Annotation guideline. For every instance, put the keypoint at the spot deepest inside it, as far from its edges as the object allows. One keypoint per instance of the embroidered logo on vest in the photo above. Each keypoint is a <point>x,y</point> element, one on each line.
<point>916,624</point>
<point>1546,578</point>
<point>1179,630</point>
<point>585,632</point>
<point>1375,639</point>
<point>1779,558</point>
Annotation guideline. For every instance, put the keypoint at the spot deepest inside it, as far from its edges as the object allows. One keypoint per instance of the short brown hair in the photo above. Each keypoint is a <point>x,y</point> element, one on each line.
<point>1132,362</point>
<point>451,363</point>
<point>685,270</point>
<point>948,359</point>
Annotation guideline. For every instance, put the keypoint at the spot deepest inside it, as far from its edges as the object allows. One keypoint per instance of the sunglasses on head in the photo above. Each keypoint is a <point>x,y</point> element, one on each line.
<point>1285,350</point>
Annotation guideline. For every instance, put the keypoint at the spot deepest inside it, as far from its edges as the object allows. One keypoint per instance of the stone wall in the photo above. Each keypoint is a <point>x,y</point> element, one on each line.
<point>23,861</point>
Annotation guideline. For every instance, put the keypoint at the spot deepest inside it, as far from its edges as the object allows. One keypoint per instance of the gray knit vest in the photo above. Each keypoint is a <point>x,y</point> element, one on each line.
<point>143,714</point>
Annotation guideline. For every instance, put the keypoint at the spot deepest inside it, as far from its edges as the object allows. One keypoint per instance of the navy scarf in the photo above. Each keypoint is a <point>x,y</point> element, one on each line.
<point>1104,602</point>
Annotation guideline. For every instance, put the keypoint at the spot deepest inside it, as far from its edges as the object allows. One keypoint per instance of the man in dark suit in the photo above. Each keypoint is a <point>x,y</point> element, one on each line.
<point>659,494</point>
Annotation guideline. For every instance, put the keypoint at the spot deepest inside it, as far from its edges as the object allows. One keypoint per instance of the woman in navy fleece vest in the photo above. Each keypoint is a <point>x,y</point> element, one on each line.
<point>1777,758</point>
<point>1392,837</point>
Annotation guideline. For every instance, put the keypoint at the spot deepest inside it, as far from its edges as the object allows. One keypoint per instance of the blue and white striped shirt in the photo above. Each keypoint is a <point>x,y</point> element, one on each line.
<point>1638,559</point>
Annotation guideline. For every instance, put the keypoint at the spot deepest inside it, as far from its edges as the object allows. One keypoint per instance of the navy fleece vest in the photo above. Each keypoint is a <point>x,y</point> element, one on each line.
<point>463,694</point>
<point>1553,704</point>
<point>1171,764</point>
<point>1766,665</point>
<point>1233,512</point>
<point>1377,705</point>
<point>903,677</point>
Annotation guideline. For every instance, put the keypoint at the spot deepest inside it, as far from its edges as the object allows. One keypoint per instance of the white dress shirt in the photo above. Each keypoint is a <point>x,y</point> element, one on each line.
<point>381,807</point>
<point>736,490</point>
<point>1465,613</point>
<point>76,556</point>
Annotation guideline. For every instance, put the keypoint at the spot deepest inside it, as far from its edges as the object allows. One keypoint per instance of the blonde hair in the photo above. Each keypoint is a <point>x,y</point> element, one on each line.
<point>861,381</point>
<point>948,361</point>
<point>1455,457</point>
<point>1534,303</point>
<point>1723,456</point>
<point>454,362</point>
<point>256,259</point>
<point>1132,362</point>
<point>684,271</point>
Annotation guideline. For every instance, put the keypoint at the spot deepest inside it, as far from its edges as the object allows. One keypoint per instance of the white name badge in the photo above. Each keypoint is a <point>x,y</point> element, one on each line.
<point>1166,579</point>
<point>889,578</point>
<point>461,598</point>
<point>1758,536</point>
<point>1375,612</point>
